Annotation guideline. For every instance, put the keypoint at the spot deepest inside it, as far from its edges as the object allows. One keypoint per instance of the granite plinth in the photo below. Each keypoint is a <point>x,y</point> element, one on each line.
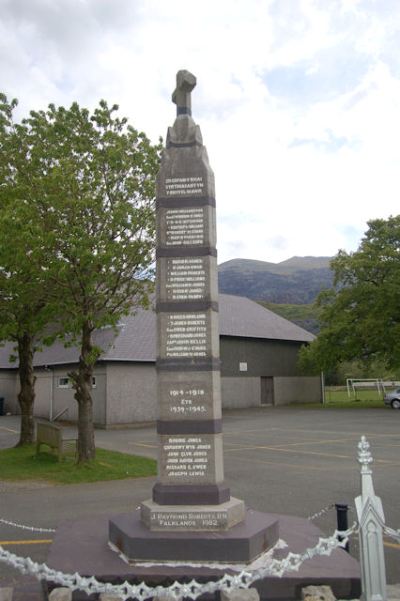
<point>190,494</point>
<point>82,546</point>
<point>257,533</point>
<point>174,518</point>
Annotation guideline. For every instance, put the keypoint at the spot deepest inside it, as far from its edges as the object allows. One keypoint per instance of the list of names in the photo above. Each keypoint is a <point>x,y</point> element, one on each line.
<point>184,227</point>
<point>186,335</point>
<point>186,457</point>
<point>186,278</point>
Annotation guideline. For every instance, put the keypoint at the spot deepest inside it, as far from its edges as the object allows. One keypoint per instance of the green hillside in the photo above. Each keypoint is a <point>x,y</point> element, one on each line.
<point>302,315</point>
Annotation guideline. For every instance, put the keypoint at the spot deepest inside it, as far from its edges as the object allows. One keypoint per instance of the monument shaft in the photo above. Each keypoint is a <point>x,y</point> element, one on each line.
<point>190,491</point>
<point>189,397</point>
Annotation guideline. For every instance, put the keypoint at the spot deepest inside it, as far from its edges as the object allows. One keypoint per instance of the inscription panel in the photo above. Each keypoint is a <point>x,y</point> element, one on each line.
<point>191,459</point>
<point>195,520</point>
<point>188,400</point>
<point>191,335</point>
<point>187,278</point>
<point>184,186</point>
<point>186,226</point>
<point>195,397</point>
<point>186,335</point>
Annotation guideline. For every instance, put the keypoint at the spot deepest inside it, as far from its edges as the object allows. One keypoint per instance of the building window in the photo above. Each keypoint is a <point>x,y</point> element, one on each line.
<point>64,382</point>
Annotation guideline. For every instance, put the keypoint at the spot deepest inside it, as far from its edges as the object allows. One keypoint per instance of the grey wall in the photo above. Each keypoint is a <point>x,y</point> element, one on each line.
<point>240,392</point>
<point>297,390</point>
<point>64,397</point>
<point>263,357</point>
<point>127,392</point>
<point>131,392</point>
<point>50,399</point>
<point>8,390</point>
<point>43,384</point>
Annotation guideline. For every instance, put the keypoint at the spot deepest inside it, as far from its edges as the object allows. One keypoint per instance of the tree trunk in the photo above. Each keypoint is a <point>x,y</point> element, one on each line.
<point>26,395</point>
<point>83,384</point>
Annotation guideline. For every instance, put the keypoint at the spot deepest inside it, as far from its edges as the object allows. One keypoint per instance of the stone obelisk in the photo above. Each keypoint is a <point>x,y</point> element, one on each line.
<point>191,515</point>
<point>189,393</point>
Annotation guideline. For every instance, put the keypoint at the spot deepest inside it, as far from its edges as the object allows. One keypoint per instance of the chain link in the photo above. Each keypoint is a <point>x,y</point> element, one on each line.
<point>321,512</point>
<point>193,589</point>
<point>325,510</point>
<point>31,528</point>
<point>395,534</point>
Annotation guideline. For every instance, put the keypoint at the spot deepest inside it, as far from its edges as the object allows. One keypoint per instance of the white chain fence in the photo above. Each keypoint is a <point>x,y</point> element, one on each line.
<point>193,589</point>
<point>23,527</point>
<point>321,512</point>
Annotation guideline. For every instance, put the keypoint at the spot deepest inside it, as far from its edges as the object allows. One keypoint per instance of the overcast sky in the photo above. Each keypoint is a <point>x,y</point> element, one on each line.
<point>298,101</point>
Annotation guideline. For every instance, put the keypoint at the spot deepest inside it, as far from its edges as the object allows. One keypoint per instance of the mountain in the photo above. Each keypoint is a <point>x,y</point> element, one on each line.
<point>295,281</point>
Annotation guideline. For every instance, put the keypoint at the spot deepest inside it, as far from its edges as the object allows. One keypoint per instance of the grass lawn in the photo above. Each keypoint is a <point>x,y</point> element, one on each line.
<point>23,464</point>
<point>336,398</point>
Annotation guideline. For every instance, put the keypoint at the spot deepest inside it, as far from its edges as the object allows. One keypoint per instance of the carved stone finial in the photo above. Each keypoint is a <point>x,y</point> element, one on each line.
<point>364,454</point>
<point>185,82</point>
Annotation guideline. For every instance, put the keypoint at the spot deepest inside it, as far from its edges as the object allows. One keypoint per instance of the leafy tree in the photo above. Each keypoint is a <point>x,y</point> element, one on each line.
<point>360,317</point>
<point>25,309</point>
<point>93,195</point>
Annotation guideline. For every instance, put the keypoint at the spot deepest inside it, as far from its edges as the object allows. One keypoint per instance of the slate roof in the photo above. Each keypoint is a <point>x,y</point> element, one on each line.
<point>135,338</point>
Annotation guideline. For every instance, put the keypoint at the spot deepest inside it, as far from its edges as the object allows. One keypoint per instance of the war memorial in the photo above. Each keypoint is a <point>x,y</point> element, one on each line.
<point>190,496</point>
<point>191,520</point>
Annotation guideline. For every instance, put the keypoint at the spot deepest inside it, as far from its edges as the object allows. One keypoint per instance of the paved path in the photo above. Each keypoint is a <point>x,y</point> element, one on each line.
<point>285,460</point>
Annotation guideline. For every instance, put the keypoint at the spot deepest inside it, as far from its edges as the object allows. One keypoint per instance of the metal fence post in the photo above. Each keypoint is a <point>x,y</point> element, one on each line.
<point>371,520</point>
<point>342,521</point>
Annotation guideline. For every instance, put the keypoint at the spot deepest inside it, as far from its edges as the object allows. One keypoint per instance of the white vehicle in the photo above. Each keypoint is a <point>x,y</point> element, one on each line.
<point>393,398</point>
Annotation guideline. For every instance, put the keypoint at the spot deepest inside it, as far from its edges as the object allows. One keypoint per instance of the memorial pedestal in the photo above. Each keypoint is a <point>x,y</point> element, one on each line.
<point>245,541</point>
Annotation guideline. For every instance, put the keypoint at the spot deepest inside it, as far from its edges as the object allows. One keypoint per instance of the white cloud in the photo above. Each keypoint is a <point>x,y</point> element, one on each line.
<point>298,101</point>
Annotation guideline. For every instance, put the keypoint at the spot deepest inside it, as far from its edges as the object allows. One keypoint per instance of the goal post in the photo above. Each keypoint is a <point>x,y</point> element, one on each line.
<point>354,384</point>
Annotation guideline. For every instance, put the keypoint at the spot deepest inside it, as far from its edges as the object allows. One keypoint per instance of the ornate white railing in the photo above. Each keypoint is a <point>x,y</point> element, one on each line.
<point>371,520</point>
<point>192,590</point>
<point>370,527</point>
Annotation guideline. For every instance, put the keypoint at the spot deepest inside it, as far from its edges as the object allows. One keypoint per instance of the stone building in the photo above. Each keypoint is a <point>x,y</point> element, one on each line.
<point>258,352</point>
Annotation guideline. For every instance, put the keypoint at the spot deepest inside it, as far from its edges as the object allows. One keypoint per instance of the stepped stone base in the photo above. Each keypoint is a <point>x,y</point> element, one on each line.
<point>257,533</point>
<point>197,518</point>
<point>82,546</point>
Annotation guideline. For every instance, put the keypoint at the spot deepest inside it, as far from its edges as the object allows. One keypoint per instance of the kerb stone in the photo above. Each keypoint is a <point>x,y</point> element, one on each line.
<point>317,593</point>
<point>6,594</point>
<point>241,594</point>
<point>61,593</point>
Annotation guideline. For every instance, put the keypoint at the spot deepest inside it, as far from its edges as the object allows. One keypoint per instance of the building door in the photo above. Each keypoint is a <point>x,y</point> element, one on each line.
<point>267,391</point>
